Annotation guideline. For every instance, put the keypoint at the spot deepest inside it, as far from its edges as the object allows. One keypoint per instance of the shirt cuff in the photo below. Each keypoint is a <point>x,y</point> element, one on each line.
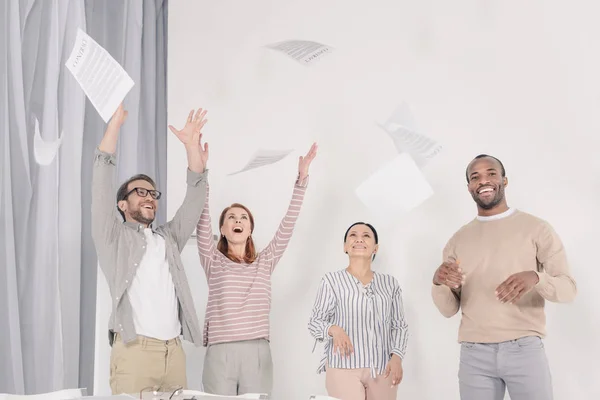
<point>104,157</point>
<point>195,178</point>
<point>326,332</point>
<point>303,183</point>
<point>398,353</point>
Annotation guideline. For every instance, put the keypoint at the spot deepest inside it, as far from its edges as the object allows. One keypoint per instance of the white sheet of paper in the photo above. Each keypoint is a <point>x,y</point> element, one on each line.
<point>397,186</point>
<point>102,79</point>
<point>45,152</point>
<point>264,157</point>
<point>402,129</point>
<point>303,51</point>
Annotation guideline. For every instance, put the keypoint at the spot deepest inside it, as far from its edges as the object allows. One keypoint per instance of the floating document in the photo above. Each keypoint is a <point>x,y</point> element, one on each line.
<point>398,186</point>
<point>45,152</point>
<point>401,127</point>
<point>303,51</point>
<point>102,79</point>
<point>262,158</point>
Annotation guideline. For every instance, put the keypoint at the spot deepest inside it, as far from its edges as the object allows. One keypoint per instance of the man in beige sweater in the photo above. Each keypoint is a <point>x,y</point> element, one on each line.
<point>498,270</point>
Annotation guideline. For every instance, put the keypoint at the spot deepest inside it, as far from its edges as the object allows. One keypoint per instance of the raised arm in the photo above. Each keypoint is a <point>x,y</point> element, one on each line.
<point>104,208</point>
<point>399,325</point>
<point>555,281</point>
<point>187,216</point>
<point>204,237</point>
<point>323,311</point>
<point>275,249</point>
<point>447,300</point>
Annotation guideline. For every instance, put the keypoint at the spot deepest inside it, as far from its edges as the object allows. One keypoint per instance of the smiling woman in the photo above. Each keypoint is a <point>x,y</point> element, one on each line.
<point>236,326</point>
<point>237,224</point>
<point>359,315</point>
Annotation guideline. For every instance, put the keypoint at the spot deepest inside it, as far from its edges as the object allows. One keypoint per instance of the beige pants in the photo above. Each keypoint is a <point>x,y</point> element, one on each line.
<point>357,384</point>
<point>146,362</point>
<point>235,368</point>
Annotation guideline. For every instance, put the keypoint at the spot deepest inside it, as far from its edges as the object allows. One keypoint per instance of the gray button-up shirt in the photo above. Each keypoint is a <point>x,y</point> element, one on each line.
<point>121,246</point>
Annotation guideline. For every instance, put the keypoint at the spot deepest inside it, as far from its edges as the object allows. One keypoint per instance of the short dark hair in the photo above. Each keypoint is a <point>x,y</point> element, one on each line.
<point>122,192</point>
<point>502,170</point>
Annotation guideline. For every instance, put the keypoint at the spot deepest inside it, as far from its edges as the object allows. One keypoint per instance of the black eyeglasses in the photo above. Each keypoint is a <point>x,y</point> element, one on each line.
<point>144,192</point>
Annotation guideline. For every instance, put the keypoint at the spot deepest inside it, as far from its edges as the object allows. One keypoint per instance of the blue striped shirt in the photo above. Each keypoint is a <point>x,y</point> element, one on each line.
<point>372,316</point>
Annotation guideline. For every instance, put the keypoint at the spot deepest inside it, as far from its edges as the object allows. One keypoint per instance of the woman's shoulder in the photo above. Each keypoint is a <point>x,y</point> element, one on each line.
<point>334,276</point>
<point>388,279</point>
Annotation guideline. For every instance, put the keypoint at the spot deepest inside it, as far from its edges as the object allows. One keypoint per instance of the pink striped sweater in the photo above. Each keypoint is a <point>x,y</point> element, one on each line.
<point>239,294</point>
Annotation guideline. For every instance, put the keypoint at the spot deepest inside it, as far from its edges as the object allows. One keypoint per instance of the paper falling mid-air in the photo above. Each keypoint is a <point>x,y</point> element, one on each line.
<point>262,158</point>
<point>102,79</point>
<point>45,152</point>
<point>303,51</point>
<point>398,186</point>
<point>401,128</point>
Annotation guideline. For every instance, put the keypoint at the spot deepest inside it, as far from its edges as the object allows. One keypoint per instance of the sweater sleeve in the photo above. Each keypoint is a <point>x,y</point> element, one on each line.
<point>556,283</point>
<point>445,299</point>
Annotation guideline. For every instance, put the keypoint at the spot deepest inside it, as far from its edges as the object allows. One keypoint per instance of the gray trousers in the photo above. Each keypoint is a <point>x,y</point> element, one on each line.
<point>236,368</point>
<point>488,369</point>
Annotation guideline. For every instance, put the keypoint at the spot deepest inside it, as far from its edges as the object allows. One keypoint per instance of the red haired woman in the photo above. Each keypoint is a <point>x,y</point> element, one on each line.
<point>236,326</point>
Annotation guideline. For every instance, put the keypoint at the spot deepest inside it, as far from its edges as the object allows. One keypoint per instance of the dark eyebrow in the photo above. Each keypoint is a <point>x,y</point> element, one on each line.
<point>489,169</point>
<point>364,233</point>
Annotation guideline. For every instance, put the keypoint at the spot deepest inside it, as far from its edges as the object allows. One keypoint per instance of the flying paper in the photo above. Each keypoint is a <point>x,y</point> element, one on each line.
<point>264,157</point>
<point>398,186</point>
<point>303,51</point>
<point>102,79</point>
<point>401,128</point>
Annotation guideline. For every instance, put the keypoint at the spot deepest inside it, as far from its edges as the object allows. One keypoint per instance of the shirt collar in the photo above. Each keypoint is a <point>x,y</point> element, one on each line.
<point>140,227</point>
<point>504,214</point>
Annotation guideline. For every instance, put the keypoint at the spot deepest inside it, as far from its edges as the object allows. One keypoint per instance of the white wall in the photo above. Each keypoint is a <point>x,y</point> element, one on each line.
<point>518,80</point>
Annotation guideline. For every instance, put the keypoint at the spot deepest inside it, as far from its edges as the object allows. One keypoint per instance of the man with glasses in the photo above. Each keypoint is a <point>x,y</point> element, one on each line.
<point>151,300</point>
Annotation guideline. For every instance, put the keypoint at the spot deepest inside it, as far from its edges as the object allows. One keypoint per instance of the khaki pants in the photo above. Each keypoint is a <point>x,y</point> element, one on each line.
<point>358,384</point>
<point>146,362</point>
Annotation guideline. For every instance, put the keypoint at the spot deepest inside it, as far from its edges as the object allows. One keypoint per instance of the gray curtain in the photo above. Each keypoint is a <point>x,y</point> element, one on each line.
<point>135,34</point>
<point>47,261</point>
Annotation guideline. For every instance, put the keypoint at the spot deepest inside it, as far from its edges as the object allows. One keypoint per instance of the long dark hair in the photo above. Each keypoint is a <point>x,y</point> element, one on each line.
<point>250,252</point>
